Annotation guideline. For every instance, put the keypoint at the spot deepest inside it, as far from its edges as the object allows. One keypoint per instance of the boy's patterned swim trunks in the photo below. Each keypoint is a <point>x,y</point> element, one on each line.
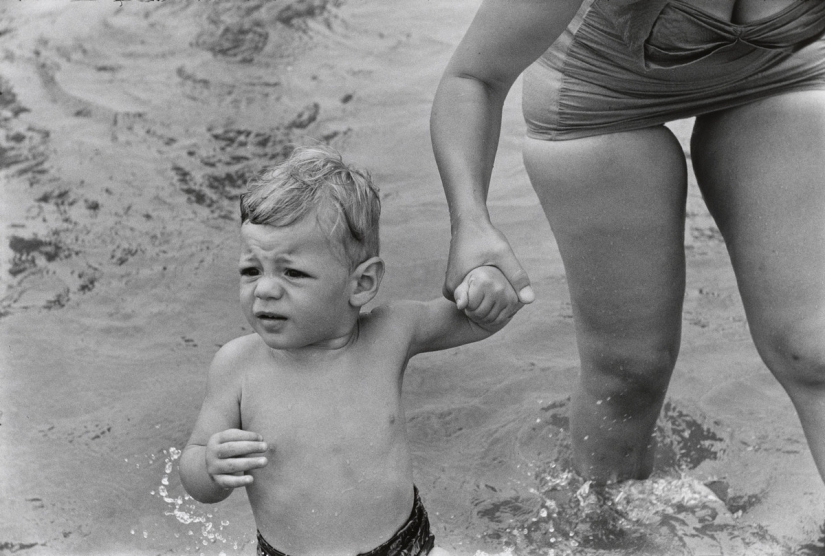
<point>412,539</point>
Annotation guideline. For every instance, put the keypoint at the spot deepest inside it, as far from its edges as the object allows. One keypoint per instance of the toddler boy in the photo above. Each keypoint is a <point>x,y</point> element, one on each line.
<point>306,413</point>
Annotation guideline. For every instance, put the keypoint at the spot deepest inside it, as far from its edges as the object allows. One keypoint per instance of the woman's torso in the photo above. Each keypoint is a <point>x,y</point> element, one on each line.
<point>629,64</point>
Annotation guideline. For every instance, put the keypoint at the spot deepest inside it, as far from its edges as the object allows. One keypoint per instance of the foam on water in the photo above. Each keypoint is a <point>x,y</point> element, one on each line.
<point>557,513</point>
<point>200,524</point>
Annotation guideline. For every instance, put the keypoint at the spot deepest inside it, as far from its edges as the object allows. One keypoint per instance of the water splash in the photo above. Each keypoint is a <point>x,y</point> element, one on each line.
<point>506,552</point>
<point>670,515</point>
<point>187,511</point>
<point>557,512</point>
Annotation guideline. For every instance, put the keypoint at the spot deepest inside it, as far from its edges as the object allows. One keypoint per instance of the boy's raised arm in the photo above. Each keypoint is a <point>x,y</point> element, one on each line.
<point>218,453</point>
<point>485,302</point>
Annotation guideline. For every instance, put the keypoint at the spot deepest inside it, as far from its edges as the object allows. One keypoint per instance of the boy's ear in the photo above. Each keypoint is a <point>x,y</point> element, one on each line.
<point>366,279</point>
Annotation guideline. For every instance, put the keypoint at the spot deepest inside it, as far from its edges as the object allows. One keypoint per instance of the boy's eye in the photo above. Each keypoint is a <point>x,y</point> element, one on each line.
<point>293,273</point>
<point>249,271</point>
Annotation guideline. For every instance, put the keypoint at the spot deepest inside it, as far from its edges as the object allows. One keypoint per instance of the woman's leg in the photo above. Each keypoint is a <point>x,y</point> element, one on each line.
<point>761,168</point>
<point>616,205</point>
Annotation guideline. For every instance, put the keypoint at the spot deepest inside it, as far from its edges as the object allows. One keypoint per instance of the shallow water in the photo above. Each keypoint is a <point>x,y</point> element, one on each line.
<point>127,132</point>
<point>530,502</point>
<point>671,513</point>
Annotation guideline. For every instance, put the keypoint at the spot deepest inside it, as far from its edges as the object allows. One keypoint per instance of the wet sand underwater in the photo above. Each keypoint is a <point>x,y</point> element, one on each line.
<point>127,130</point>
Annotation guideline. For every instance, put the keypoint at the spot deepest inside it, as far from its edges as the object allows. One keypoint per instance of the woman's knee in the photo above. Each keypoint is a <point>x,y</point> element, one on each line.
<point>630,374</point>
<point>795,352</point>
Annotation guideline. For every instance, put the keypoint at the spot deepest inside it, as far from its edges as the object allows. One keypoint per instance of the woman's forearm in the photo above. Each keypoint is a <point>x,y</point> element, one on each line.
<point>465,125</point>
<point>505,37</point>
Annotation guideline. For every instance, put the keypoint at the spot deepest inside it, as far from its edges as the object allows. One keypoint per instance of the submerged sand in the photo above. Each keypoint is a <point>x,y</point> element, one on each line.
<point>127,129</point>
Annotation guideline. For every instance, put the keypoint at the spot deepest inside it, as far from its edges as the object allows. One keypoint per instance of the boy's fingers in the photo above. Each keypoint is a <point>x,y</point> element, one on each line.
<point>477,302</point>
<point>238,465</point>
<point>461,295</point>
<point>232,435</point>
<point>242,448</point>
<point>506,314</point>
<point>503,310</point>
<point>493,316</point>
<point>233,481</point>
<point>248,464</point>
<point>486,309</point>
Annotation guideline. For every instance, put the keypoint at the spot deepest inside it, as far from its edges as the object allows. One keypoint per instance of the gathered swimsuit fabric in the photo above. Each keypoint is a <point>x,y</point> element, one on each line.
<point>629,64</point>
<point>412,539</point>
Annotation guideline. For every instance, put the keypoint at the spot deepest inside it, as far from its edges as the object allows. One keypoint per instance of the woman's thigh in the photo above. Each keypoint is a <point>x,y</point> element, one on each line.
<point>761,168</point>
<point>616,206</point>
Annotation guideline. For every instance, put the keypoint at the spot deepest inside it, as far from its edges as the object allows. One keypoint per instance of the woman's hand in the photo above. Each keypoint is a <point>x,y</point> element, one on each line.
<point>476,244</point>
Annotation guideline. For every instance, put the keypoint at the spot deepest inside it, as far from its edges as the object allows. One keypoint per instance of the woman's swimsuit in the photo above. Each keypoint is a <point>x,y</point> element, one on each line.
<point>629,64</point>
<point>412,539</point>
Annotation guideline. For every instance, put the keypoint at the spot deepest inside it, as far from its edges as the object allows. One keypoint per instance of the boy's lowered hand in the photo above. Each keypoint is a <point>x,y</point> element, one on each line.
<point>487,298</point>
<point>230,453</point>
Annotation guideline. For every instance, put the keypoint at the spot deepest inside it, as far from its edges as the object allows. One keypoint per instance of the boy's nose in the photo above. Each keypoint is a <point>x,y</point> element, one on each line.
<point>269,288</point>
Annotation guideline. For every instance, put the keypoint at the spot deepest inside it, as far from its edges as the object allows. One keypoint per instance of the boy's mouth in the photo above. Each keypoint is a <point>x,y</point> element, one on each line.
<point>270,317</point>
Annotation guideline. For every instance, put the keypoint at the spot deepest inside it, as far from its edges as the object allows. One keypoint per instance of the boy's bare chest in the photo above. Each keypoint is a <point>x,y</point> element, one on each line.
<point>323,412</point>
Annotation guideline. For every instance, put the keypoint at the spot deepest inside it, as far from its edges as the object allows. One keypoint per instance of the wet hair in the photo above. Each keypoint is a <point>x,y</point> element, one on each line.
<point>316,179</point>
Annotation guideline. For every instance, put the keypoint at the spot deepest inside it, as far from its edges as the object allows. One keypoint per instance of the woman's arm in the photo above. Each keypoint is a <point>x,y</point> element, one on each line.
<point>504,38</point>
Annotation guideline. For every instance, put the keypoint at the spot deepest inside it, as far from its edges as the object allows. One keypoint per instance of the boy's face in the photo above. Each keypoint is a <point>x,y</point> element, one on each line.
<point>295,289</point>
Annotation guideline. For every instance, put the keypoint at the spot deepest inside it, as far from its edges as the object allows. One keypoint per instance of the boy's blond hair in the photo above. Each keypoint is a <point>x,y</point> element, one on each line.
<point>316,179</point>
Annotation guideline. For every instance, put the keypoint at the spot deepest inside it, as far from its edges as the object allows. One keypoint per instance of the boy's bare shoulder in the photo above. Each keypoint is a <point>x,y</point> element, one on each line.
<point>237,355</point>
